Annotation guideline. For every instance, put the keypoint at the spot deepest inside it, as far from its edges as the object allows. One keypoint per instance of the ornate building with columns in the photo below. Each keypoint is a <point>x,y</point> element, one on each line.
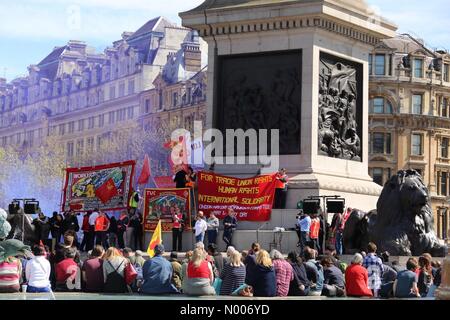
<point>83,97</point>
<point>409,119</point>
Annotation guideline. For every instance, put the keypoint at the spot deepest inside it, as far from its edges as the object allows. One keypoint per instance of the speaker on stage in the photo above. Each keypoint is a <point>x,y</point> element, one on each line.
<point>335,205</point>
<point>14,207</point>
<point>31,207</point>
<point>311,206</point>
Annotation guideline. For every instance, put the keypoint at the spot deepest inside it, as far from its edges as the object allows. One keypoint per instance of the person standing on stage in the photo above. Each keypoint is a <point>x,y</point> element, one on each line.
<point>230,224</point>
<point>91,240</point>
<point>200,228</point>
<point>213,228</point>
<point>281,189</point>
<point>177,230</point>
<point>180,177</point>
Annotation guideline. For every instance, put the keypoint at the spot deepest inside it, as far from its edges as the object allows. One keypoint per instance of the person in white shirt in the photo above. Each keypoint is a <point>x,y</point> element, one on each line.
<point>37,271</point>
<point>200,227</point>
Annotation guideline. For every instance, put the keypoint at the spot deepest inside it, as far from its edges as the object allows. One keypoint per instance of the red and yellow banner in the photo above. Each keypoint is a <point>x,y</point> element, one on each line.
<point>163,204</point>
<point>105,187</point>
<point>251,198</point>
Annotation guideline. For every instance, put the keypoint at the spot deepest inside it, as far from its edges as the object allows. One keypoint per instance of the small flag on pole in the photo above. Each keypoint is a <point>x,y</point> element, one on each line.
<point>156,239</point>
<point>146,171</point>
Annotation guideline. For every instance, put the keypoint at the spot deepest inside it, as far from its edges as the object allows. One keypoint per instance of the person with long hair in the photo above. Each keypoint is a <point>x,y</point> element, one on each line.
<point>264,281</point>
<point>37,271</point>
<point>10,273</point>
<point>199,275</point>
<point>233,274</point>
<point>114,265</point>
<point>425,280</point>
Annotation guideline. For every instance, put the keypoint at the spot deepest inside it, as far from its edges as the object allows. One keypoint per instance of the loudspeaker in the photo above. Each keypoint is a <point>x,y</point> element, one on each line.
<point>335,206</point>
<point>13,208</point>
<point>31,207</point>
<point>311,206</point>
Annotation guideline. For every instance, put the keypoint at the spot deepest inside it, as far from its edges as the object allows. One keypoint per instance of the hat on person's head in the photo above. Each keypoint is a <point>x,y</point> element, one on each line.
<point>159,249</point>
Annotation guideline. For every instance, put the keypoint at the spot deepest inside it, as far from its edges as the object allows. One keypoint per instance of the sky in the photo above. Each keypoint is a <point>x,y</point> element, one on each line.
<point>30,29</point>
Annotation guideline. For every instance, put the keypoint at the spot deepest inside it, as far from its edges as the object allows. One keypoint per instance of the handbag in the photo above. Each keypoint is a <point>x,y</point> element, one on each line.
<point>217,285</point>
<point>130,274</point>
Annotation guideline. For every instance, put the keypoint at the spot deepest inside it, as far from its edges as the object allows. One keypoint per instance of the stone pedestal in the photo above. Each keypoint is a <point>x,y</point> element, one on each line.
<point>328,38</point>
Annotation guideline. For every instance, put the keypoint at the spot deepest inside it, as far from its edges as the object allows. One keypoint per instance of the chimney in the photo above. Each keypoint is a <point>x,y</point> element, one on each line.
<point>192,56</point>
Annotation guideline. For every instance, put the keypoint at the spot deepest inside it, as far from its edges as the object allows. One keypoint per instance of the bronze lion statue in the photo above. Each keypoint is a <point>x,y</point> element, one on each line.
<point>402,224</point>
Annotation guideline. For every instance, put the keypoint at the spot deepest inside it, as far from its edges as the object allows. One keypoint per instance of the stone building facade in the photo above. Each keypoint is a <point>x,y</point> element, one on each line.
<point>84,97</point>
<point>409,118</point>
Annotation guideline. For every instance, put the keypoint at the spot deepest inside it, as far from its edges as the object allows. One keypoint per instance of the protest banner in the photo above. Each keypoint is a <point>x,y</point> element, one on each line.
<point>251,198</point>
<point>162,204</point>
<point>104,187</point>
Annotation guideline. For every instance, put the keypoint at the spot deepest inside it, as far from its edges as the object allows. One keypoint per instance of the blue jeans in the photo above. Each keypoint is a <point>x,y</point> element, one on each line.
<point>212,236</point>
<point>31,289</point>
<point>339,248</point>
<point>200,237</point>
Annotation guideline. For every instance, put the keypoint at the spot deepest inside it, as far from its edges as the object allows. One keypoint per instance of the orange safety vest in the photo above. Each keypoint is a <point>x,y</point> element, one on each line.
<point>101,223</point>
<point>280,184</point>
<point>314,229</point>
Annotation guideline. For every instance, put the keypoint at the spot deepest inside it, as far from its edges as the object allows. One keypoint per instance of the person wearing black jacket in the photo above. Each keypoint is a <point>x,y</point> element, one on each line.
<point>56,228</point>
<point>180,178</point>
<point>229,225</point>
<point>70,223</point>
<point>300,285</point>
<point>122,226</point>
<point>136,224</point>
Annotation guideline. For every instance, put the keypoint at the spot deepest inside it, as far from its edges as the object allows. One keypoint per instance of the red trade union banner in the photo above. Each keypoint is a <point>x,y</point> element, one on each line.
<point>251,198</point>
<point>163,204</point>
<point>106,187</point>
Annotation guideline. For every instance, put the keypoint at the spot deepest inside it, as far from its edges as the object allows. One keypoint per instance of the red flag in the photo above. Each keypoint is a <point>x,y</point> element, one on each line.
<point>146,171</point>
<point>107,191</point>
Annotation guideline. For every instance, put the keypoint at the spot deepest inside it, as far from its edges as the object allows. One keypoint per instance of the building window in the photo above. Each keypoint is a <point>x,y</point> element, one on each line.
<point>444,107</point>
<point>377,175</point>
<point>121,89</point>
<point>444,184</point>
<point>147,106</point>
<point>174,99</point>
<point>90,144</point>
<point>418,68</point>
<point>381,143</point>
<point>161,99</point>
<point>417,144</point>
<point>91,122</point>
<point>18,138</point>
<point>131,87</point>
<point>71,126</point>
<point>101,120</point>
<point>417,104</point>
<point>80,147</point>
<point>380,64</point>
<point>444,148</point>
<point>81,125</point>
<point>381,106</point>
<point>370,64</point>
<point>446,72</point>
<point>111,117</point>
<point>70,149</point>
<point>99,142</point>
<point>112,92</point>
<point>130,113</point>
<point>62,129</point>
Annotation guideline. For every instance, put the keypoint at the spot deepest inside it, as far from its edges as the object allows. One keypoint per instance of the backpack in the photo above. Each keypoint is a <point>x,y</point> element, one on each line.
<point>115,283</point>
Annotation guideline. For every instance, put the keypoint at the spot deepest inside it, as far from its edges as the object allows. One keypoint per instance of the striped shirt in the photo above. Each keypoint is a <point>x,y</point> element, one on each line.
<point>10,276</point>
<point>284,275</point>
<point>232,278</point>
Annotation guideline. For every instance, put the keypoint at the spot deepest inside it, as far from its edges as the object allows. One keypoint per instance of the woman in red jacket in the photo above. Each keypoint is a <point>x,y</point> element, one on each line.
<point>357,279</point>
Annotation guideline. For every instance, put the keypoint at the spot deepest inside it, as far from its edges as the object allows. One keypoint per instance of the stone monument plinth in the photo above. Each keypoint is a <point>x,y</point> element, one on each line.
<point>300,66</point>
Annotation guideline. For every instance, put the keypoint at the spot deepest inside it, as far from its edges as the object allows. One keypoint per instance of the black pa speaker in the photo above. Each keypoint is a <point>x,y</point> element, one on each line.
<point>335,206</point>
<point>311,206</point>
<point>31,207</point>
<point>13,208</point>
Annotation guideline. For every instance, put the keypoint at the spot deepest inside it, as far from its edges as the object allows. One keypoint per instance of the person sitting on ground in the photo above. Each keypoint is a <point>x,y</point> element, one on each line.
<point>230,250</point>
<point>406,284</point>
<point>184,265</point>
<point>334,283</point>
<point>137,260</point>
<point>396,266</point>
<point>199,276</point>
<point>92,271</point>
<point>374,267</point>
<point>10,275</point>
<point>388,277</point>
<point>217,257</point>
<point>300,285</point>
<point>283,273</point>
<point>114,265</point>
<point>264,282</point>
<point>177,270</point>
<point>68,277</point>
<point>157,273</point>
<point>425,280</point>
<point>250,262</point>
<point>357,278</point>
<point>233,274</point>
<point>314,271</point>
<point>37,271</point>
